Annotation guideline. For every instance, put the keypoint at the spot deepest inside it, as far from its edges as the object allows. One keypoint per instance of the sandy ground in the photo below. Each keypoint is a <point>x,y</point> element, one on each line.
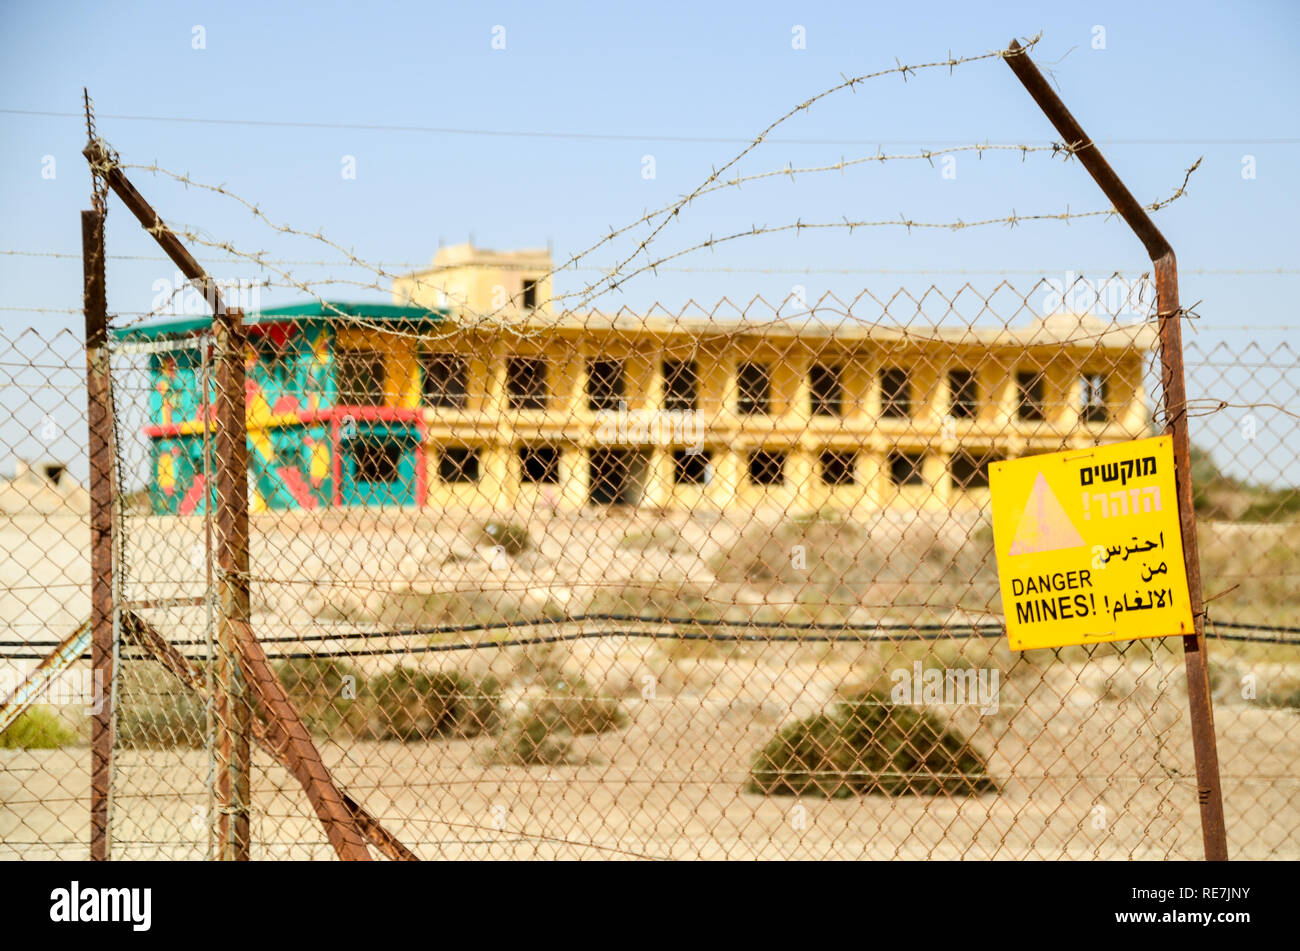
<point>1094,760</point>
<point>670,786</point>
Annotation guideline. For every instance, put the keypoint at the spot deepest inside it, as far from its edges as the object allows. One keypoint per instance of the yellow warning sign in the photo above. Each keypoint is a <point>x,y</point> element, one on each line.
<point>1088,545</point>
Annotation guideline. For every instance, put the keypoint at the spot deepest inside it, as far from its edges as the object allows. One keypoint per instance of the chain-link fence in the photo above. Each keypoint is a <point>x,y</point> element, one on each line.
<point>699,585</point>
<point>485,572</point>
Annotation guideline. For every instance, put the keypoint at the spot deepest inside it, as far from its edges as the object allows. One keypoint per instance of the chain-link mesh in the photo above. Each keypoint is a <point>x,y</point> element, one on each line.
<point>44,536</point>
<point>713,584</point>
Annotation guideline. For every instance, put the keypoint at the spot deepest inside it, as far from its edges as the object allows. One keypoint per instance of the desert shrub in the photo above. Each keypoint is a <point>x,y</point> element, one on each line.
<point>576,709</point>
<point>535,739</point>
<point>37,728</point>
<point>326,692</point>
<point>543,733</point>
<point>1280,693</point>
<point>831,547</point>
<point>1215,494</point>
<point>406,704</point>
<point>868,745</point>
<point>404,607</point>
<point>157,711</point>
<point>511,536</point>
<point>1282,699</point>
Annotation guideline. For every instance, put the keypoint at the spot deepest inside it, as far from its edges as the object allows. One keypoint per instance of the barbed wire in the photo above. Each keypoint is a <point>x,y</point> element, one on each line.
<point>710,184</point>
<point>1211,405</point>
<point>382,271</point>
<point>789,171</point>
<point>510,322</point>
<point>500,320</point>
<point>502,316</point>
<point>1011,221</point>
<point>849,83</point>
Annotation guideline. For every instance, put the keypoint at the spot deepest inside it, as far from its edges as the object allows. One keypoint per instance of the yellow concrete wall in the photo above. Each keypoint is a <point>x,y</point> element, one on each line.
<point>477,281</point>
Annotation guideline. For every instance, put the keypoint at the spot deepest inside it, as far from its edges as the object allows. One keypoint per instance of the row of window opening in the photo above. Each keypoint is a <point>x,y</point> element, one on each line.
<point>445,385</point>
<point>540,465</point>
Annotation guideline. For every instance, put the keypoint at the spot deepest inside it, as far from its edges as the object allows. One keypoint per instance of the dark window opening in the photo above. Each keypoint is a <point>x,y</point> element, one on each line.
<point>458,464</point>
<point>905,468</point>
<point>690,468</point>
<point>837,468</point>
<point>827,390</point>
<point>969,471</point>
<point>681,385</point>
<point>444,380</point>
<point>604,384</point>
<point>767,468</point>
<point>754,388</point>
<point>963,394</point>
<point>377,462</point>
<point>1095,408</point>
<point>361,377</point>
<point>614,476</point>
<point>1029,388</point>
<point>540,464</point>
<point>526,383</point>
<point>895,393</point>
<point>530,295</point>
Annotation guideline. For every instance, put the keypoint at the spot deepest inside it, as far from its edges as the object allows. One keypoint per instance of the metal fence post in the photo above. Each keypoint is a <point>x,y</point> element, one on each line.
<point>233,710</point>
<point>1201,707</point>
<point>99,416</point>
<point>243,667</point>
<point>1173,385</point>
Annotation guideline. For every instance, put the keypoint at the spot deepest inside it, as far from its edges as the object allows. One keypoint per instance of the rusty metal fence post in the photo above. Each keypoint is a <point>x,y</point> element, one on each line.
<point>99,416</point>
<point>233,710</point>
<point>1174,393</point>
<point>244,671</point>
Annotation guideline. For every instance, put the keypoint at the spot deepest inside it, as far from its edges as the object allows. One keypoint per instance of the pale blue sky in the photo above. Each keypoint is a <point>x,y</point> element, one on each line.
<point>1174,82</point>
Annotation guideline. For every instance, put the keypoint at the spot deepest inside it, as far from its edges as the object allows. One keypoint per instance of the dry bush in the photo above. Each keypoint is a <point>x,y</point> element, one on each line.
<point>157,711</point>
<point>37,728</point>
<point>534,740</point>
<point>410,705</point>
<point>325,691</point>
<point>1250,572</point>
<point>575,708</point>
<point>869,745</point>
<point>555,709</point>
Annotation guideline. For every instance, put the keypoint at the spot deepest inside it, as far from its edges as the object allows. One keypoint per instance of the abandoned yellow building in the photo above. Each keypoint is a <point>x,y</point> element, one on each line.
<point>537,409</point>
